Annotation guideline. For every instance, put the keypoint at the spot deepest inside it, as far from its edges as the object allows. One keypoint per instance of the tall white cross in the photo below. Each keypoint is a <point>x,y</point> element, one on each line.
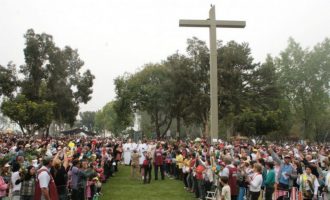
<point>212,23</point>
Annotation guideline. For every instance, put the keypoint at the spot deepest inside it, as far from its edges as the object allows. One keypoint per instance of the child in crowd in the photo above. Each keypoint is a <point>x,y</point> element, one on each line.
<point>225,191</point>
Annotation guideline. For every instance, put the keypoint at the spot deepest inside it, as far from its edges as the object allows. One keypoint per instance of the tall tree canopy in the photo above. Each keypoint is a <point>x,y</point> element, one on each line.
<point>305,75</point>
<point>50,80</point>
<point>149,90</point>
<point>272,97</point>
<point>87,120</point>
<point>110,119</point>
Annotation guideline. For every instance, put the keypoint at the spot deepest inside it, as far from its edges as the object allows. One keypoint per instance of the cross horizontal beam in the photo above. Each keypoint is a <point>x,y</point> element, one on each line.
<point>207,23</point>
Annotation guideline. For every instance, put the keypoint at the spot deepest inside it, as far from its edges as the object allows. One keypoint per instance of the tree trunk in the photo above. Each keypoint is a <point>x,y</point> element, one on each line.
<point>168,126</point>
<point>178,126</point>
<point>22,129</point>
<point>230,130</point>
<point>205,128</point>
<point>47,132</point>
<point>157,126</point>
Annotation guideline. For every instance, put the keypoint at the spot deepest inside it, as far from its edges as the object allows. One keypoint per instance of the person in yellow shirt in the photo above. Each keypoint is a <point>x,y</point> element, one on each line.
<point>179,164</point>
<point>185,171</point>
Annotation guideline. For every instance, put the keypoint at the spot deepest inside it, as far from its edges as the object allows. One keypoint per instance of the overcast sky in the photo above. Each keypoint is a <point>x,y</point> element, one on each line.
<point>114,37</point>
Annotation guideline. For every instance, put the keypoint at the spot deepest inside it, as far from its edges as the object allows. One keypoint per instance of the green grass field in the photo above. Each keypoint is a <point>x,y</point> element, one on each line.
<point>122,187</point>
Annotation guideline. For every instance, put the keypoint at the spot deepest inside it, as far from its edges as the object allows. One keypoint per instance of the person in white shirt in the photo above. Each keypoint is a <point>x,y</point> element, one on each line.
<point>308,184</point>
<point>142,148</point>
<point>44,178</point>
<point>327,185</point>
<point>15,182</point>
<point>128,148</point>
<point>225,191</point>
<point>255,182</point>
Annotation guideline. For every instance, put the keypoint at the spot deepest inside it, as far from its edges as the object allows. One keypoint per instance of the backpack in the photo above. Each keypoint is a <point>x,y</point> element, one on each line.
<point>232,180</point>
<point>51,187</point>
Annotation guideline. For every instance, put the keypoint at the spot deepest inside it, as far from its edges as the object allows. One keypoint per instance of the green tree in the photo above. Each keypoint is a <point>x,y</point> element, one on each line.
<point>29,115</point>
<point>147,90</point>
<point>87,119</point>
<point>199,107</point>
<point>8,80</point>
<point>181,87</point>
<point>235,69</point>
<point>51,78</point>
<point>123,104</point>
<point>305,76</point>
<point>107,119</point>
<point>264,110</point>
<point>65,85</point>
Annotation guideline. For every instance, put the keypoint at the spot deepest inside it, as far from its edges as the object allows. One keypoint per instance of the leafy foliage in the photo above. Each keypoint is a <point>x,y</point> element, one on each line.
<point>30,115</point>
<point>305,76</point>
<point>109,119</point>
<point>8,80</point>
<point>254,98</point>
<point>87,119</point>
<point>49,79</point>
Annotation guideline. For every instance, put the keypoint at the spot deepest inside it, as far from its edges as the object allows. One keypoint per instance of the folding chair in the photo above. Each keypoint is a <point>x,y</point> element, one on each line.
<point>212,195</point>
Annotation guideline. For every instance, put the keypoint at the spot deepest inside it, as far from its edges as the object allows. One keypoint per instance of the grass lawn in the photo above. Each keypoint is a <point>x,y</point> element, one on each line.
<point>122,187</point>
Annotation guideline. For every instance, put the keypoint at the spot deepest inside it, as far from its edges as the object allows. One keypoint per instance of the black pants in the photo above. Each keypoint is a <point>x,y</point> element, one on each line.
<point>196,188</point>
<point>269,193</point>
<point>185,175</point>
<point>179,173</point>
<point>116,166</point>
<point>254,195</point>
<point>82,192</point>
<point>147,174</point>
<point>74,194</point>
<point>169,170</point>
<point>161,167</point>
<point>208,186</point>
<point>23,197</point>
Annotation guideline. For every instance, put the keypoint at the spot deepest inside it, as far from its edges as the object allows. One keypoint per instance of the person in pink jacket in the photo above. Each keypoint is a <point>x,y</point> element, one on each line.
<point>3,188</point>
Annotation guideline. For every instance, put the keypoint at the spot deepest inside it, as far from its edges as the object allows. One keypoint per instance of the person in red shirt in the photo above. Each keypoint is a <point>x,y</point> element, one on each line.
<point>200,179</point>
<point>159,162</point>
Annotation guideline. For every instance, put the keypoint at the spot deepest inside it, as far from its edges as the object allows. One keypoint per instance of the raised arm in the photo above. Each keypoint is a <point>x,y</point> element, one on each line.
<point>275,156</point>
<point>65,161</point>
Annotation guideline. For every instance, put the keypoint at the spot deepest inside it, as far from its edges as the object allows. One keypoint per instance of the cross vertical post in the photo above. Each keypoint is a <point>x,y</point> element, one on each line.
<point>212,24</point>
<point>213,76</point>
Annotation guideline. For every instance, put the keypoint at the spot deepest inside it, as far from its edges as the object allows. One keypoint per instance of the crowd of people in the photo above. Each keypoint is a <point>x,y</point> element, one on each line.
<point>235,170</point>
<point>75,167</point>
<point>59,168</point>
